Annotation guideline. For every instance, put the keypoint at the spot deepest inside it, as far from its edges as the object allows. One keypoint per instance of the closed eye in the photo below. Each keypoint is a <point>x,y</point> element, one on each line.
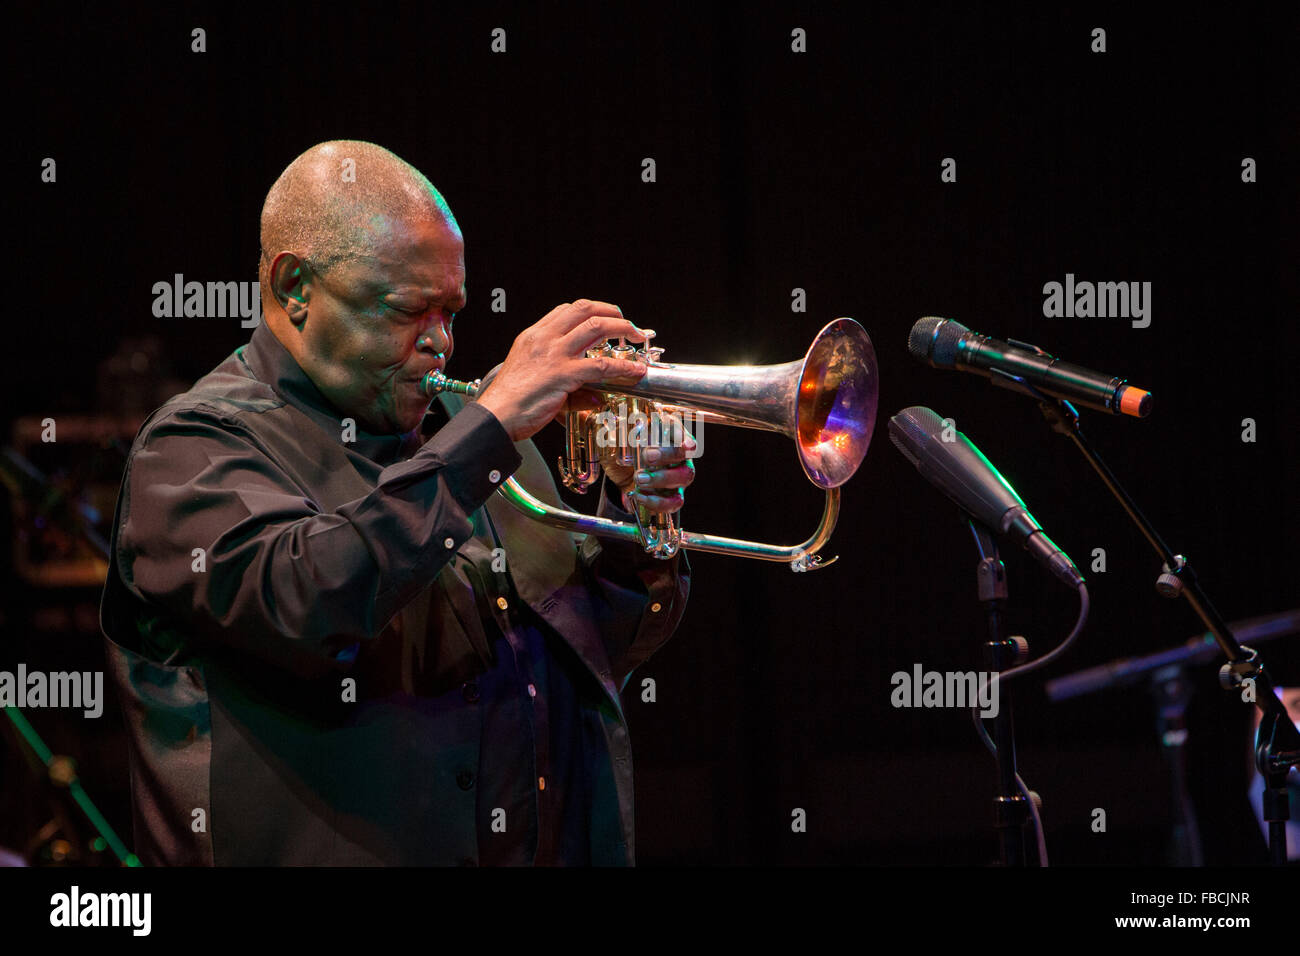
<point>406,311</point>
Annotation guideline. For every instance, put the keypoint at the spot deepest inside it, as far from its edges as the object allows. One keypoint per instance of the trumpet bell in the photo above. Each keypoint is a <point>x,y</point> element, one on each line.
<point>835,406</point>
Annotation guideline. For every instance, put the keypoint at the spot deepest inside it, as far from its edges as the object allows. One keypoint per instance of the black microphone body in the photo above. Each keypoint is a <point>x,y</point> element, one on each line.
<point>945,343</point>
<point>960,471</point>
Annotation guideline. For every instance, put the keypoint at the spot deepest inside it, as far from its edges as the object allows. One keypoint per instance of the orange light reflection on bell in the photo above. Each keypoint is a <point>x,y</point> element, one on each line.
<point>839,441</point>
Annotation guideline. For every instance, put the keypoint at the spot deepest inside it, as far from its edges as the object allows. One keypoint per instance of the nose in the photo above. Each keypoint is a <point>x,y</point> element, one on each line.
<point>436,339</point>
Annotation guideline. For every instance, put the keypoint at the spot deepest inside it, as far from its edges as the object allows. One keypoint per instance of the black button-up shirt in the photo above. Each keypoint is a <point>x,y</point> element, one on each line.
<point>263,551</point>
<point>538,807</point>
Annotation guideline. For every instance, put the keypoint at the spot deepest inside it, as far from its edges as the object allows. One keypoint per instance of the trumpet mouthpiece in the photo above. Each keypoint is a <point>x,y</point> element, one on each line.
<point>436,382</point>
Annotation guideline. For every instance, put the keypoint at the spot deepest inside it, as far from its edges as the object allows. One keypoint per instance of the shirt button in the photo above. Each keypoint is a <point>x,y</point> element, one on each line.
<point>532,691</point>
<point>494,476</point>
<point>502,603</point>
<point>656,607</point>
<point>449,543</point>
<point>469,690</point>
<point>464,779</point>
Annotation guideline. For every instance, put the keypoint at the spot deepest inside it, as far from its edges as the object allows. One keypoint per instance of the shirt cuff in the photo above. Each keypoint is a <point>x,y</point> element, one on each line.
<point>476,454</point>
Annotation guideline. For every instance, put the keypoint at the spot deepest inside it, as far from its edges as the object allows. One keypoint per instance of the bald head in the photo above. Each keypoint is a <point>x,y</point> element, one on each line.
<point>339,199</point>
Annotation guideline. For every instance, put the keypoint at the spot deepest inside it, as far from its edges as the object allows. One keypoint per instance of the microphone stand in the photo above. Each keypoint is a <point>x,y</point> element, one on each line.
<point>1010,811</point>
<point>1278,743</point>
<point>1166,673</point>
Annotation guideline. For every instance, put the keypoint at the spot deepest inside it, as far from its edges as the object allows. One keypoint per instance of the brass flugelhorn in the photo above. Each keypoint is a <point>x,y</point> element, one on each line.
<point>826,402</point>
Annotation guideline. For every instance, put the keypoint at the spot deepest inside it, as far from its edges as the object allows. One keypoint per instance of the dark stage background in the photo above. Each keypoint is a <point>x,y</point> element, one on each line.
<point>775,170</point>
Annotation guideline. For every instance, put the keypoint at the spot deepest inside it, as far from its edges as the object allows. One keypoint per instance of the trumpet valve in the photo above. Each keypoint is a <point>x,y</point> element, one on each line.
<point>578,469</point>
<point>574,476</point>
<point>649,352</point>
<point>663,537</point>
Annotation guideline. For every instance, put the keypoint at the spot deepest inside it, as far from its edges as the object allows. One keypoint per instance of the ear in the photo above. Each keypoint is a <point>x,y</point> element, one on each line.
<point>290,286</point>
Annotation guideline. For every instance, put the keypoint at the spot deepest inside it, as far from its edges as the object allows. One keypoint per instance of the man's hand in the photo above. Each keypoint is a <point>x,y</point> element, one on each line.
<point>667,472</point>
<point>548,361</point>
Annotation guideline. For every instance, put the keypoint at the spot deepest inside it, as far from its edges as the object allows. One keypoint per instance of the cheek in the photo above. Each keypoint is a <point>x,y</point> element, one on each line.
<point>349,340</point>
<point>387,350</point>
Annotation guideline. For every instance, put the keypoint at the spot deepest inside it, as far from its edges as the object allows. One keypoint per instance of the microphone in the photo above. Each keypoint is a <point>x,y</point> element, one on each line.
<point>943,343</point>
<point>960,471</point>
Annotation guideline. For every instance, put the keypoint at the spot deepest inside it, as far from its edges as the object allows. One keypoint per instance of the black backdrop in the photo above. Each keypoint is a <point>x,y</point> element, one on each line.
<point>775,170</point>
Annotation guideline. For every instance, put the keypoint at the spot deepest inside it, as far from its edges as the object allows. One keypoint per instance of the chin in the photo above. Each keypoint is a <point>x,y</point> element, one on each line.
<point>410,420</point>
<point>389,423</point>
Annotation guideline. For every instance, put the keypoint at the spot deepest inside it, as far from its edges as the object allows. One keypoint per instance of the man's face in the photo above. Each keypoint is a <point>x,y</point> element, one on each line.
<point>377,325</point>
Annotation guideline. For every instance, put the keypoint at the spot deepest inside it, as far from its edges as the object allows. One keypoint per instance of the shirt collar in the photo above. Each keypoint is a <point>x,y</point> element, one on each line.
<point>270,362</point>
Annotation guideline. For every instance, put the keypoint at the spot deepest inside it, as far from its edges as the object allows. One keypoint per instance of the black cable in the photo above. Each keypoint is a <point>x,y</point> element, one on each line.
<point>1084,606</point>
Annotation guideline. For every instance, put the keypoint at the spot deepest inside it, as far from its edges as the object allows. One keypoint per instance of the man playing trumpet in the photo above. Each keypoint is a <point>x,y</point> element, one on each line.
<point>334,644</point>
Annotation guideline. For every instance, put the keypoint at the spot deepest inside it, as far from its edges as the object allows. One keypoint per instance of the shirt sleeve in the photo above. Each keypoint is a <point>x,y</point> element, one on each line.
<point>217,537</point>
